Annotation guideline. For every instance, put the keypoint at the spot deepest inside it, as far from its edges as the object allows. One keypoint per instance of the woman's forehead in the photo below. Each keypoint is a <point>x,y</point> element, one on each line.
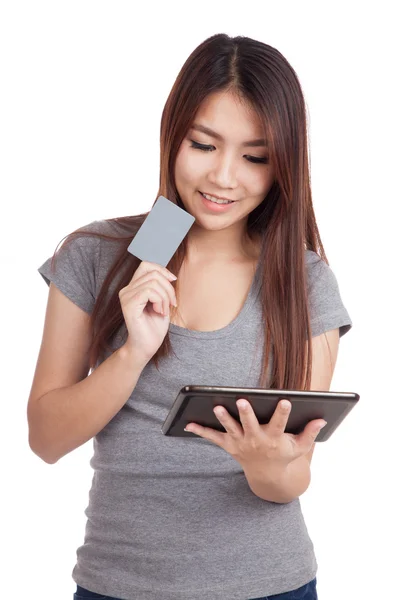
<point>221,114</point>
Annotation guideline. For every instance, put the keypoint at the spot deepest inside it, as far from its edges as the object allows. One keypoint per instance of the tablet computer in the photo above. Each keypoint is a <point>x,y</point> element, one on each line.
<point>195,403</point>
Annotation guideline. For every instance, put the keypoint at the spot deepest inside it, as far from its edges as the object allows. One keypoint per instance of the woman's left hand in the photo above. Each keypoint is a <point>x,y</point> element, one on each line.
<point>252,444</point>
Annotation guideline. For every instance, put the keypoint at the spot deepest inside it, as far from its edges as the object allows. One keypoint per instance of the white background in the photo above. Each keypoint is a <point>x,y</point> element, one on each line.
<point>83,85</point>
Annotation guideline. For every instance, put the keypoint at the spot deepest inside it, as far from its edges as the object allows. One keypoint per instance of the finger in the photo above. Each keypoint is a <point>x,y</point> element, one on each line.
<point>155,286</point>
<point>147,266</point>
<point>141,298</point>
<point>248,419</point>
<point>306,438</point>
<point>158,308</point>
<point>214,436</point>
<point>231,425</point>
<point>279,419</point>
<point>152,300</point>
<point>165,284</point>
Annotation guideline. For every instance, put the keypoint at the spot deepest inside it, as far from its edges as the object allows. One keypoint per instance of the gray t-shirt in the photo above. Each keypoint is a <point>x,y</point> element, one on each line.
<point>174,518</point>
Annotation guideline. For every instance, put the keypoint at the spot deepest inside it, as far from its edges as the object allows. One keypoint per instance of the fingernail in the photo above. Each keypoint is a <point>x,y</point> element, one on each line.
<point>322,426</point>
<point>285,404</point>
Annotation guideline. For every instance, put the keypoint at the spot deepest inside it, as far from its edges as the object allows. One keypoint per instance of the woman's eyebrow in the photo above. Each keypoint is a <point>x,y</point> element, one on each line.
<point>217,136</point>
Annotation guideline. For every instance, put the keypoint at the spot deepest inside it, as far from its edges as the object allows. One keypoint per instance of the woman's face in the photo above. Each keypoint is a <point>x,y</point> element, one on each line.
<point>223,166</point>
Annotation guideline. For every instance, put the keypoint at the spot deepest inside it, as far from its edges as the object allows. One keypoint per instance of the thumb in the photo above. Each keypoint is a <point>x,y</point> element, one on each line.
<point>312,430</point>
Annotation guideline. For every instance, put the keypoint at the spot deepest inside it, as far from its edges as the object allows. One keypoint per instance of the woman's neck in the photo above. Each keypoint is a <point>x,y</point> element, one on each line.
<point>221,246</point>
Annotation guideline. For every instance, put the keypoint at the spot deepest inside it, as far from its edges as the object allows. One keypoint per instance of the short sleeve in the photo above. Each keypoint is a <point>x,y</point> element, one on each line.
<point>75,268</point>
<point>327,310</point>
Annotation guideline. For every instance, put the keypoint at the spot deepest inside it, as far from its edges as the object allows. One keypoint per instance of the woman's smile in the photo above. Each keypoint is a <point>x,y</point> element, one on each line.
<point>215,206</point>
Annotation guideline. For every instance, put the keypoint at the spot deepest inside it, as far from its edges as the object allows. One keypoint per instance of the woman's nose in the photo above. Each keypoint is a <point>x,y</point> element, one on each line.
<point>224,173</point>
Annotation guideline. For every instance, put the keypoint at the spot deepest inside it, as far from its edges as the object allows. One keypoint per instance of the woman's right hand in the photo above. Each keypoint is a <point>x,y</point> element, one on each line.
<point>145,305</point>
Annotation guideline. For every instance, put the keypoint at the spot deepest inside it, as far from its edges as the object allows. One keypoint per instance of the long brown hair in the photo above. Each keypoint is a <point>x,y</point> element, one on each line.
<point>260,76</point>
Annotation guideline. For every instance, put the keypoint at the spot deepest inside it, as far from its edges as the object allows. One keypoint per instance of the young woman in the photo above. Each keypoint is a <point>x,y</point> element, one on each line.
<point>216,515</point>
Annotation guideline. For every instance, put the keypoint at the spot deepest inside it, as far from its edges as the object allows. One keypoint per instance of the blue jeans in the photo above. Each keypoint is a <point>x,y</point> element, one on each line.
<point>305,592</point>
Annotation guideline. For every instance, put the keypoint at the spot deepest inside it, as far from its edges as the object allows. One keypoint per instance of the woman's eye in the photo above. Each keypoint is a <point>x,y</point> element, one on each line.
<point>204,148</point>
<point>255,159</point>
<point>201,146</point>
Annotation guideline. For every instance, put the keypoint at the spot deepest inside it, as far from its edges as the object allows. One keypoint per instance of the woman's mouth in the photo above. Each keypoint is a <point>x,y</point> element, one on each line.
<point>215,205</point>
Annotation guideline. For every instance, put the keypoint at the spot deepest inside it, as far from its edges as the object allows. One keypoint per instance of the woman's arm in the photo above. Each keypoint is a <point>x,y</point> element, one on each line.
<point>285,485</point>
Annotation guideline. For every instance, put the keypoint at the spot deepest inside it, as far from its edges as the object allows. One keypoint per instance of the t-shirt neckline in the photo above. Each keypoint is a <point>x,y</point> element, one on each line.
<point>224,331</point>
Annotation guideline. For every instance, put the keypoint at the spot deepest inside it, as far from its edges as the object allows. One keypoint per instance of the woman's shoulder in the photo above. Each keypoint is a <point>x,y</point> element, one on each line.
<point>315,264</point>
<point>327,310</point>
<point>104,236</point>
<point>319,273</point>
<point>112,227</point>
<point>312,257</point>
